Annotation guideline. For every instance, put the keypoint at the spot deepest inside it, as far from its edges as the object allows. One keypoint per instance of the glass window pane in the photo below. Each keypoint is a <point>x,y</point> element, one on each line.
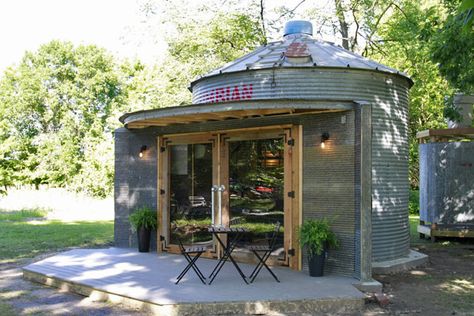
<point>190,189</point>
<point>256,174</point>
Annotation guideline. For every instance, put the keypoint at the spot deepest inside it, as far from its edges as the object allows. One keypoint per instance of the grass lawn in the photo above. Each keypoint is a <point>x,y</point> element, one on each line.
<point>26,234</point>
<point>414,236</point>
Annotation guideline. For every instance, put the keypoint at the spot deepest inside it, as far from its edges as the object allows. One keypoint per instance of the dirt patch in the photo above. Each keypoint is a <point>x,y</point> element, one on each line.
<point>445,286</point>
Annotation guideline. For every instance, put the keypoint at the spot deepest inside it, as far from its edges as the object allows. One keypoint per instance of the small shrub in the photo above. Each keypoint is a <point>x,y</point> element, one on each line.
<point>315,234</point>
<point>22,215</point>
<point>143,217</point>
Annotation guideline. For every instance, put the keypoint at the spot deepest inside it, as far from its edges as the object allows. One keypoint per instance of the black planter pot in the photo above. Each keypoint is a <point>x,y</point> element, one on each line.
<point>316,264</point>
<point>143,235</point>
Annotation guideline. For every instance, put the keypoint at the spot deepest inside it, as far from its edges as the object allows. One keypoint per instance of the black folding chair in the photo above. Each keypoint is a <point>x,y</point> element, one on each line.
<point>263,252</point>
<point>197,251</point>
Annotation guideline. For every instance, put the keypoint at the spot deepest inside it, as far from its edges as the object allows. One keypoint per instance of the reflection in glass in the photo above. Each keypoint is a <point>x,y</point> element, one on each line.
<point>190,185</point>
<point>256,177</point>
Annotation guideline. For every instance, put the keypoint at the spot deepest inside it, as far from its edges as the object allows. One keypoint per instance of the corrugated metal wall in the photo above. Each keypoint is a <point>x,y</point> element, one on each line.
<point>388,95</point>
<point>447,182</point>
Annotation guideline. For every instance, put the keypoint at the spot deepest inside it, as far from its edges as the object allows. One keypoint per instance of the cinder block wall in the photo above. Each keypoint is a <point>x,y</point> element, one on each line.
<point>135,181</point>
<point>329,183</point>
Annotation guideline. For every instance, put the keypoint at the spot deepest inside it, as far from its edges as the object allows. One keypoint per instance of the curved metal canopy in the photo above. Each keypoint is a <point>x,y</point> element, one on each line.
<point>198,113</point>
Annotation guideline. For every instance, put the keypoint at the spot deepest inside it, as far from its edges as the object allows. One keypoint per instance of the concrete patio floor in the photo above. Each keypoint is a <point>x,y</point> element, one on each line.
<point>146,281</point>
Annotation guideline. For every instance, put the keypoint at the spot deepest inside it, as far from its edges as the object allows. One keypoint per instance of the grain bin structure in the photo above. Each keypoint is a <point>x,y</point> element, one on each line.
<point>447,182</point>
<point>333,126</point>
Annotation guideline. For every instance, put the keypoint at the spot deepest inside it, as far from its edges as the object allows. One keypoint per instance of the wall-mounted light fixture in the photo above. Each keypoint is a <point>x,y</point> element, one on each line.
<point>324,138</point>
<point>142,151</point>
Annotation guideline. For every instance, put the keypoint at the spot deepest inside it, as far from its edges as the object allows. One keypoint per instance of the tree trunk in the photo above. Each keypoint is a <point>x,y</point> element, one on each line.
<point>344,28</point>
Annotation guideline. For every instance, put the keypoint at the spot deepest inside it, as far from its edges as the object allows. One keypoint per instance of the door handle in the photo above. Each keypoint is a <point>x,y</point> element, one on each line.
<point>213,192</point>
<point>220,189</point>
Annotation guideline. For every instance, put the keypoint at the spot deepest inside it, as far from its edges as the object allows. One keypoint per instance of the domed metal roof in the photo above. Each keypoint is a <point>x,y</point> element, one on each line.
<point>300,50</point>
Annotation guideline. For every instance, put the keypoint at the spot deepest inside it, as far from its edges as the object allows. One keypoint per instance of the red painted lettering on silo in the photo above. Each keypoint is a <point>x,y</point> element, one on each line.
<point>247,91</point>
<point>229,93</point>
<point>236,94</point>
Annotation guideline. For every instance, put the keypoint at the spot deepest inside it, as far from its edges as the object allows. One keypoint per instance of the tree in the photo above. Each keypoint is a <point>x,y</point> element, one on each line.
<point>404,43</point>
<point>199,47</point>
<point>467,8</point>
<point>54,110</point>
<point>453,50</point>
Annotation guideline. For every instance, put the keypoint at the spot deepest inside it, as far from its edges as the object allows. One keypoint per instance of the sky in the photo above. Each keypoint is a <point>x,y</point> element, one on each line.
<point>26,24</point>
<point>117,25</point>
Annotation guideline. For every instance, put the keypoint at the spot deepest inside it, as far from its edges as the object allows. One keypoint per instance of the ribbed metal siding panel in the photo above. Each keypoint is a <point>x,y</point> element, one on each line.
<point>390,227</point>
<point>315,83</point>
<point>447,183</point>
<point>388,95</point>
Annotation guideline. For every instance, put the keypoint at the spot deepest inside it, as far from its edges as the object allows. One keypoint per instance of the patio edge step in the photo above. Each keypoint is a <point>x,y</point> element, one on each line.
<point>304,306</point>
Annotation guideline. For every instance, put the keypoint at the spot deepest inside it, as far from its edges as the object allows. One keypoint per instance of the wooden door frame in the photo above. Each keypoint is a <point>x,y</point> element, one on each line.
<point>293,153</point>
<point>163,194</point>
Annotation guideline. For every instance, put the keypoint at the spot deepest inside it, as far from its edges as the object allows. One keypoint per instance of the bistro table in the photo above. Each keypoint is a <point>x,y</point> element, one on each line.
<point>233,236</point>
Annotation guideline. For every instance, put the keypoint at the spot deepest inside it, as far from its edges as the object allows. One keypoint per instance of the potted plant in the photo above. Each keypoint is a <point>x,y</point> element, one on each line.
<point>316,236</point>
<point>143,221</point>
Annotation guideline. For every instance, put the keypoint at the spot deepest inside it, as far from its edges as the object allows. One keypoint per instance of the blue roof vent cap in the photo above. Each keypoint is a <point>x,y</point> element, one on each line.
<point>298,27</point>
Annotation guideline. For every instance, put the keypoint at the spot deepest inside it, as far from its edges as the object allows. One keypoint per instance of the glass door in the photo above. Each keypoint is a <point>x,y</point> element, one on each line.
<point>256,191</point>
<point>243,178</point>
<point>190,193</point>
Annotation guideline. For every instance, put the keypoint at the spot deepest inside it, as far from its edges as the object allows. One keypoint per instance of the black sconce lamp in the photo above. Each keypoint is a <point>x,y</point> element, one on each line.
<point>324,138</point>
<point>142,151</point>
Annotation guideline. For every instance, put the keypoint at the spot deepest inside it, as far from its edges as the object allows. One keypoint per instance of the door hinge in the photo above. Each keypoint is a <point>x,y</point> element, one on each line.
<point>291,252</point>
<point>291,142</point>
<point>162,149</point>
<point>291,194</point>
<point>162,191</point>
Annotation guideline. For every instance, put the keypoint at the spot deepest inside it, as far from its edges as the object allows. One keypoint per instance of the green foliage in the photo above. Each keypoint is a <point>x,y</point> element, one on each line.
<point>466,10</point>
<point>59,106</point>
<point>450,111</point>
<point>55,112</point>
<point>198,48</point>
<point>143,217</point>
<point>453,50</point>
<point>315,234</point>
<point>225,38</point>
<point>406,40</point>
<point>414,202</point>
<point>22,215</point>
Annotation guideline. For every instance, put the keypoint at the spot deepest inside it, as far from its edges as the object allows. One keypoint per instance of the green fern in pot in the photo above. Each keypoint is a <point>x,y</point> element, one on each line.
<point>316,236</point>
<point>143,220</point>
